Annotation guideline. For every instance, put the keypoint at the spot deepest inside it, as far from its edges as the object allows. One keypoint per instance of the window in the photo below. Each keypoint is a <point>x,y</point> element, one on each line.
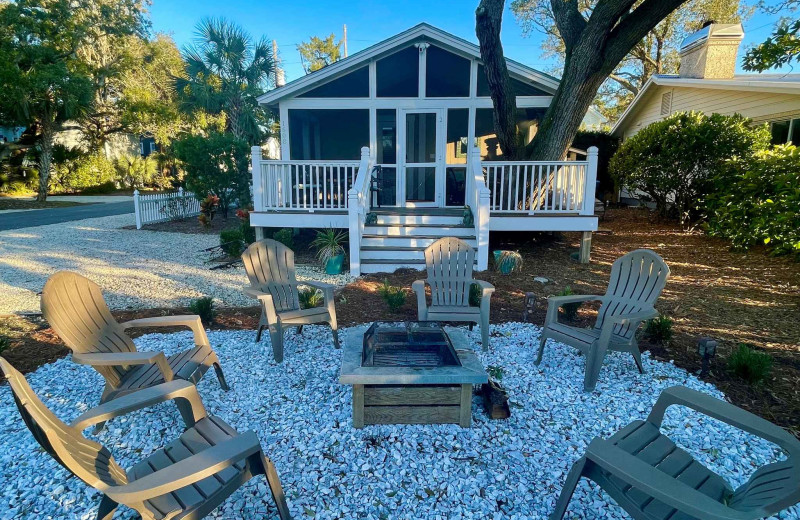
<point>666,103</point>
<point>447,75</point>
<point>319,134</point>
<point>519,88</point>
<point>785,132</point>
<point>352,85</point>
<point>397,75</point>
<point>386,178</point>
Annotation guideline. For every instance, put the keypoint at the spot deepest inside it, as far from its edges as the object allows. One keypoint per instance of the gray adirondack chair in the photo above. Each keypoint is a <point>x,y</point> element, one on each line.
<point>74,307</point>
<point>187,479</point>
<point>270,269</point>
<point>449,262</point>
<point>652,479</point>
<point>637,280</point>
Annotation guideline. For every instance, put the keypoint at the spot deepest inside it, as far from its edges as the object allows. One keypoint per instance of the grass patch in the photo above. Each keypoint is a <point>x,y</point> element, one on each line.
<point>749,364</point>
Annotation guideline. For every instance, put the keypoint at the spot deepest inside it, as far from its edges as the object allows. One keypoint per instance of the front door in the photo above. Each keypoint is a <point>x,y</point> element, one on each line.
<point>422,157</point>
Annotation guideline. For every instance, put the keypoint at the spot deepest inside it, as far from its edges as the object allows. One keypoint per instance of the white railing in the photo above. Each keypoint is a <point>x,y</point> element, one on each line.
<point>162,207</point>
<point>359,199</point>
<point>542,187</point>
<point>478,198</point>
<point>302,185</point>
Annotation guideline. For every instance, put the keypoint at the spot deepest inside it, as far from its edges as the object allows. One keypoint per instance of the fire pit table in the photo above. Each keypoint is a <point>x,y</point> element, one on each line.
<point>410,373</point>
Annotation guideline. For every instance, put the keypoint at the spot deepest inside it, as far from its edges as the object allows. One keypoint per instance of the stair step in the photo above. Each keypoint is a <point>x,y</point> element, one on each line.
<point>394,253</point>
<point>390,266</point>
<point>435,220</point>
<point>392,242</point>
<point>419,231</point>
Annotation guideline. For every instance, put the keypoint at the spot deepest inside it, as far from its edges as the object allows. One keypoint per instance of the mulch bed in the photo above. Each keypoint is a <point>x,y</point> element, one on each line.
<point>731,296</point>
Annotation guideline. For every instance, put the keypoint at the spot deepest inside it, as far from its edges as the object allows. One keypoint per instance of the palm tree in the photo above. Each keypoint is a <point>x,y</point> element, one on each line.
<point>226,71</point>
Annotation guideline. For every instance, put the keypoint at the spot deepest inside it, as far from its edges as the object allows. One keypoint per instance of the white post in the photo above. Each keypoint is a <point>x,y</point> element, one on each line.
<point>481,197</point>
<point>136,209</point>
<point>591,181</point>
<point>258,186</point>
<point>358,204</point>
<point>181,202</point>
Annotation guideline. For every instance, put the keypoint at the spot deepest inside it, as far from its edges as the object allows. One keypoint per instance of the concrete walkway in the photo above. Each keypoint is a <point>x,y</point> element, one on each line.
<point>42,217</point>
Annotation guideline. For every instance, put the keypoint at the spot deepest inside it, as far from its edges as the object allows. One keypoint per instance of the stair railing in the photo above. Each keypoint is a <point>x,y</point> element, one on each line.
<point>479,198</point>
<point>358,206</point>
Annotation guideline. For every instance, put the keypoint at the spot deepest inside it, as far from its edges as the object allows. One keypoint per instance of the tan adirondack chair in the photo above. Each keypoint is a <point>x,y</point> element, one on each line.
<point>449,262</point>
<point>187,479</point>
<point>74,307</point>
<point>637,280</point>
<point>652,479</point>
<point>270,269</point>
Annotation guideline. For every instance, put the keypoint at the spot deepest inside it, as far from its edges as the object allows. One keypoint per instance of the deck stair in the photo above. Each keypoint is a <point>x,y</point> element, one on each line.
<point>400,236</point>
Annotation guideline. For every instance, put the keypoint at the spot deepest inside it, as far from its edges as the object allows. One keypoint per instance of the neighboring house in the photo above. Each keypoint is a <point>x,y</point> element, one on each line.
<point>594,120</point>
<point>707,83</point>
<point>147,146</point>
<point>403,129</point>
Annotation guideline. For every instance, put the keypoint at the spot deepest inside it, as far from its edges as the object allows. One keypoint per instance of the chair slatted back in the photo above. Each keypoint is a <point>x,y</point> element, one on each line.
<point>75,308</point>
<point>637,280</point>
<point>89,461</point>
<point>449,262</point>
<point>770,489</point>
<point>270,268</point>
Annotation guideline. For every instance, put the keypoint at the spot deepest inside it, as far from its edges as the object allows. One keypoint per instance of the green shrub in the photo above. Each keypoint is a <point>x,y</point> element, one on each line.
<point>673,161</point>
<point>570,310</point>
<point>204,307</point>
<point>134,171</point>
<point>607,145</point>
<point>232,242</point>
<point>395,297</point>
<point>659,330</point>
<point>475,295</point>
<point>100,189</point>
<point>759,202</point>
<point>84,173</point>
<point>5,344</point>
<point>495,372</point>
<point>285,236</point>
<point>750,364</point>
<point>310,298</point>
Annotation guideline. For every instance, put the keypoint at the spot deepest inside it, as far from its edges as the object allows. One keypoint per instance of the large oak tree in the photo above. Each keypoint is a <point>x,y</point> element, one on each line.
<point>593,47</point>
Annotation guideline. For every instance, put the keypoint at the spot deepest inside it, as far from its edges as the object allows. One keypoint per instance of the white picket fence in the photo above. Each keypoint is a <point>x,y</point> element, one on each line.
<point>163,207</point>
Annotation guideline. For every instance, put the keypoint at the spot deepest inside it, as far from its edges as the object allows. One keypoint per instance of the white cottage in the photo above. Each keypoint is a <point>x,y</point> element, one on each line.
<point>393,142</point>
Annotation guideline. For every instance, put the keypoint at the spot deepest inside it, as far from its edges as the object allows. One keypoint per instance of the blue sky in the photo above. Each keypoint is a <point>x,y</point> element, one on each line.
<point>368,22</point>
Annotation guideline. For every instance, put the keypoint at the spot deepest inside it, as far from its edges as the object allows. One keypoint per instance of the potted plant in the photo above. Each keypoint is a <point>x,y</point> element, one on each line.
<point>330,249</point>
<point>468,219</point>
<point>495,398</point>
<point>507,261</point>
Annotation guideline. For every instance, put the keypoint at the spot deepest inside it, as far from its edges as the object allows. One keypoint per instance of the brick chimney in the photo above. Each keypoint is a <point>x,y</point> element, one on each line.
<point>710,53</point>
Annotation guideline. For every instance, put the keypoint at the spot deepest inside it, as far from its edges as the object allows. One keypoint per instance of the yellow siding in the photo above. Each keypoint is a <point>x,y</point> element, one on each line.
<point>761,107</point>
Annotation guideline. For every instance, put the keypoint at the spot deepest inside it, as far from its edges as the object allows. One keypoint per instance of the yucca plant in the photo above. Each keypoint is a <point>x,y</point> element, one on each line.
<point>309,298</point>
<point>507,261</point>
<point>329,244</point>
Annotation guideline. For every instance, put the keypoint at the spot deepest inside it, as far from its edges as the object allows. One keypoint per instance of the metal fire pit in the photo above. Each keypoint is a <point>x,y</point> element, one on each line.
<point>420,344</point>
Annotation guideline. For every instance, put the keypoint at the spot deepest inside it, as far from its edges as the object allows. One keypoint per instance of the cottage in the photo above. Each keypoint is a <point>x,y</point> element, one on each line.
<point>394,142</point>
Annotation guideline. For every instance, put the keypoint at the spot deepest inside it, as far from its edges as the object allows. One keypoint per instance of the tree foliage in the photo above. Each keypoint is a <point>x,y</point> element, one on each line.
<point>782,47</point>
<point>675,161</point>
<point>319,52</point>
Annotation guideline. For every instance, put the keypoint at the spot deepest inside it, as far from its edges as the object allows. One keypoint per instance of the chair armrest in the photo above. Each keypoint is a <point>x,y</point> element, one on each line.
<point>725,412</point>
<point>418,286</point>
<point>145,398</point>
<point>632,318</point>
<point>486,288</point>
<point>191,321</point>
<point>268,304</point>
<point>554,302</point>
<point>659,485</point>
<point>187,471</point>
<point>119,359</point>
<point>317,285</point>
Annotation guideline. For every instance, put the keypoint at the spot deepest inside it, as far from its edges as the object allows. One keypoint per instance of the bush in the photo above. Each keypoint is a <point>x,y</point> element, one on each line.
<point>310,298</point>
<point>475,295</point>
<point>216,164</point>
<point>759,202</point>
<point>134,171</point>
<point>232,242</point>
<point>659,330</point>
<point>5,344</point>
<point>83,173</point>
<point>750,364</point>
<point>674,160</point>
<point>607,146</point>
<point>395,297</point>
<point>100,189</point>
<point>285,236</point>
<point>204,307</point>
<point>570,310</point>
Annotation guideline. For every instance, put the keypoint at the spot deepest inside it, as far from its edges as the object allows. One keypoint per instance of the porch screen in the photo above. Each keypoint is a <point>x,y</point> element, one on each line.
<point>527,126</point>
<point>328,134</point>
<point>352,85</point>
<point>520,88</point>
<point>447,75</point>
<point>397,75</point>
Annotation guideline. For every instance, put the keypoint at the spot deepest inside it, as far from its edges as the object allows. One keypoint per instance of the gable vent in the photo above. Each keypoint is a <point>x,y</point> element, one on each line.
<point>666,103</point>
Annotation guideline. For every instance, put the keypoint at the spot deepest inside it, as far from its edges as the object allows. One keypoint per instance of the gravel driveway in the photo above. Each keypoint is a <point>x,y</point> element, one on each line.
<point>135,269</point>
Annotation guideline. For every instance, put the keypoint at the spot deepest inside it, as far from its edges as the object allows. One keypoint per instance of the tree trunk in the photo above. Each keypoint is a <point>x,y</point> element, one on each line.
<point>488,20</point>
<point>45,158</point>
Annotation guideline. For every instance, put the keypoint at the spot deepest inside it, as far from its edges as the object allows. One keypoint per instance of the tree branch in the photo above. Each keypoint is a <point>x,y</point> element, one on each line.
<point>569,20</point>
<point>625,83</point>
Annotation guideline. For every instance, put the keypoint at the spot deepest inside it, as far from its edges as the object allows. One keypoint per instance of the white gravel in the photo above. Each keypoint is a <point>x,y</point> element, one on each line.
<point>496,469</point>
<point>135,268</point>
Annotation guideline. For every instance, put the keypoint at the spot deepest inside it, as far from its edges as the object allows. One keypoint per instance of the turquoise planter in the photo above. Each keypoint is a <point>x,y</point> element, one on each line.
<point>506,267</point>
<point>335,265</point>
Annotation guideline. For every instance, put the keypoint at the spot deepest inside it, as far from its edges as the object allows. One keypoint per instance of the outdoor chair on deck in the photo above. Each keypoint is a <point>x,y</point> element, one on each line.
<point>449,262</point>
<point>270,269</point>
<point>74,307</point>
<point>187,479</point>
<point>653,479</point>
<point>637,280</point>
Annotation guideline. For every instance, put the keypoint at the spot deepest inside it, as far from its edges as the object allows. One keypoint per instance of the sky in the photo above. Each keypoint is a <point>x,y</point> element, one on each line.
<point>368,22</point>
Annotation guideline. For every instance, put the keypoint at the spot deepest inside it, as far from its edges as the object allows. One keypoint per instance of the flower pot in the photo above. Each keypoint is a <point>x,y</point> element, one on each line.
<point>335,265</point>
<point>495,401</point>
<point>505,267</point>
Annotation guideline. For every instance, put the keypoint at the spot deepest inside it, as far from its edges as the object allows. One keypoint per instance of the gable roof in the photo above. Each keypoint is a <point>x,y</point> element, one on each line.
<point>422,31</point>
<point>772,83</point>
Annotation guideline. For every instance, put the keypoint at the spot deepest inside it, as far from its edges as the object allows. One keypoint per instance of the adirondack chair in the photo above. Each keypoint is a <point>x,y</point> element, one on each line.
<point>187,479</point>
<point>637,280</point>
<point>652,479</point>
<point>449,262</point>
<point>270,269</point>
<point>74,307</point>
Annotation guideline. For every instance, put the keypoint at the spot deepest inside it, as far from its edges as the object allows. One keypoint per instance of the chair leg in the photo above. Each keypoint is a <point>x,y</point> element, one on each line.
<point>637,357</point>
<point>276,335</point>
<point>542,341</point>
<point>106,509</point>
<point>274,482</point>
<point>485,331</point>
<point>573,477</point>
<point>221,377</point>
<point>594,363</point>
<point>262,324</point>
<point>299,329</point>
<point>336,338</point>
